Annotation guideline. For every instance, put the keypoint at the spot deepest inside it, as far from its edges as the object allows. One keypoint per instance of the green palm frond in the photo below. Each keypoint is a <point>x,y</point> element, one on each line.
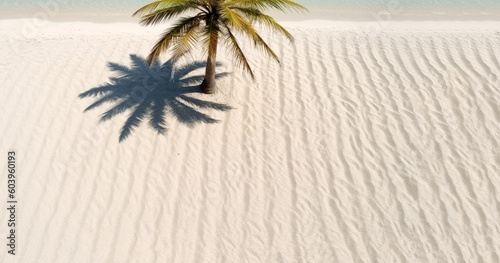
<point>185,43</point>
<point>236,51</point>
<point>162,14</point>
<point>282,5</point>
<point>259,42</point>
<point>254,15</point>
<point>210,33</point>
<point>148,8</point>
<point>240,24</point>
<point>186,24</point>
<point>163,4</point>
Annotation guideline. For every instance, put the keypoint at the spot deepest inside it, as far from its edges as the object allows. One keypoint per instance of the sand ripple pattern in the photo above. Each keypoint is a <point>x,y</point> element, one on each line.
<point>359,148</point>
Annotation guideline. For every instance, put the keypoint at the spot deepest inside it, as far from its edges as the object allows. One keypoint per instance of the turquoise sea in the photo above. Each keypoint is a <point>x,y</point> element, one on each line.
<point>123,7</point>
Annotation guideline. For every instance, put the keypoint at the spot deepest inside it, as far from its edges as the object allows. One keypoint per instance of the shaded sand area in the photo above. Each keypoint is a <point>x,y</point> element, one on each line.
<point>361,147</point>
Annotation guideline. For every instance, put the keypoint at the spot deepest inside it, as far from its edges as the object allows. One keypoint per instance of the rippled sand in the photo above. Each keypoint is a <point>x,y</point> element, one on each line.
<point>360,147</point>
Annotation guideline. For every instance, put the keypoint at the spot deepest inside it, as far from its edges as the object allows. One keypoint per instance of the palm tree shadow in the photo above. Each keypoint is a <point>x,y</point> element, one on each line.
<point>151,93</point>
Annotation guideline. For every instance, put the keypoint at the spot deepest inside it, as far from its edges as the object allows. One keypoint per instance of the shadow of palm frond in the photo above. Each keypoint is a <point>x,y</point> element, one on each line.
<point>151,93</point>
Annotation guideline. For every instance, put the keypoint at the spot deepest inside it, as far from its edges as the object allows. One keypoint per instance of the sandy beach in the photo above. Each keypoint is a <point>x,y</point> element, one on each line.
<point>365,145</point>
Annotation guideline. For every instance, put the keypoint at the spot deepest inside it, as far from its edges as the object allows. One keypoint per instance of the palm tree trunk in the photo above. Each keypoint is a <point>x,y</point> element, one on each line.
<point>208,84</point>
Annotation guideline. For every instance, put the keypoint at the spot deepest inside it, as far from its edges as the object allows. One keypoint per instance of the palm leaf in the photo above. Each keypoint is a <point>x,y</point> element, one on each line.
<point>257,16</point>
<point>166,40</point>
<point>242,25</point>
<point>281,5</point>
<point>185,43</point>
<point>237,53</point>
<point>157,16</point>
<point>161,4</point>
<point>210,38</point>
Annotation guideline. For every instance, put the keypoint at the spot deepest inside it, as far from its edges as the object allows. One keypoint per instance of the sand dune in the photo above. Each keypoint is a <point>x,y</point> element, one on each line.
<point>360,147</point>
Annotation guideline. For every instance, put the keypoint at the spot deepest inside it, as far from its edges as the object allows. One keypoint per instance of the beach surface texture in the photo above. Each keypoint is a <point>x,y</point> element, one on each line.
<point>370,142</point>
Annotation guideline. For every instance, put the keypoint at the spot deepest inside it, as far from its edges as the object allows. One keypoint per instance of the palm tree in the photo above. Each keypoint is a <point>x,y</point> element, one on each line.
<point>209,21</point>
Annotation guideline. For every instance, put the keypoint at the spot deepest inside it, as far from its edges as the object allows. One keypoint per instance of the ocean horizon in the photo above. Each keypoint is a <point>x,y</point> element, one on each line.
<point>326,7</point>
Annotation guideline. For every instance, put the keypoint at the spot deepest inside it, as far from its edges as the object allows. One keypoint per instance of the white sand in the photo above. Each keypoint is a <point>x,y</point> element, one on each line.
<point>361,147</point>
